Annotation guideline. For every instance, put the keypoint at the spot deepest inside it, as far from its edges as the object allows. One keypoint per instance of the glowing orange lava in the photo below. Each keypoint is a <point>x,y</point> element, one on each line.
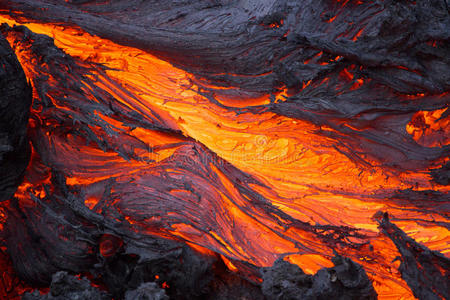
<point>305,176</point>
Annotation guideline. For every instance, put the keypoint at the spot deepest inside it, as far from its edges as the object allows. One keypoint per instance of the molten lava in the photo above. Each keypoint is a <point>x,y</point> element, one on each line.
<point>166,152</point>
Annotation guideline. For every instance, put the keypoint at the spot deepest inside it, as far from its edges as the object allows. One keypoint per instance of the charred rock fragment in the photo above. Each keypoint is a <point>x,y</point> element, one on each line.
<point>15,101</point>
<point>346,280</point>
<point>230,285</point>
<point>184,273</point>
<point>68,287</point>
<point>147,291</point>
<point>285,281</point>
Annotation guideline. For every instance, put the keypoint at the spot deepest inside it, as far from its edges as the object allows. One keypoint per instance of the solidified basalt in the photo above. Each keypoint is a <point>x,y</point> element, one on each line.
<point>65,286</point>
<point>15,101</point>
<point>346,280</point>
<point>146,291</point>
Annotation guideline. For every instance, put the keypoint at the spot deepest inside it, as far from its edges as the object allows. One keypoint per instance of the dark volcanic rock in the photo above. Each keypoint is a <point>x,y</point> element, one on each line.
<point>229,285</point>
<point>147,291</point>
<point>185,273</point>
<point>15,101</point>
<point>264,43</point>
<point>68,287</point>
<point>426,272</point>
<point>346,280</point>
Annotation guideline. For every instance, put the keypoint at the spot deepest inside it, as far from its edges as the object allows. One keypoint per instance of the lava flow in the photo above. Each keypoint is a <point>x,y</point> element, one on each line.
<point>293,156</point>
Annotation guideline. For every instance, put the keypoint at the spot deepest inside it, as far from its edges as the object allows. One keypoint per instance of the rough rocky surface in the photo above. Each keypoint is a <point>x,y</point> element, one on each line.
<point>68,287</point>
<point>346,280</point>
<point>282,281</point>
<point>147,291</point>
<point>15,101</point>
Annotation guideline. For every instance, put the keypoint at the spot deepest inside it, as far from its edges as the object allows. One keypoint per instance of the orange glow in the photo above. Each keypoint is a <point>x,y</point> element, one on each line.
<point>429,129</point>
<point>358,34</point>
<point>332,19</point>
<point>311,263</point>
<point>229,264</point>
<point>304,175</point>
